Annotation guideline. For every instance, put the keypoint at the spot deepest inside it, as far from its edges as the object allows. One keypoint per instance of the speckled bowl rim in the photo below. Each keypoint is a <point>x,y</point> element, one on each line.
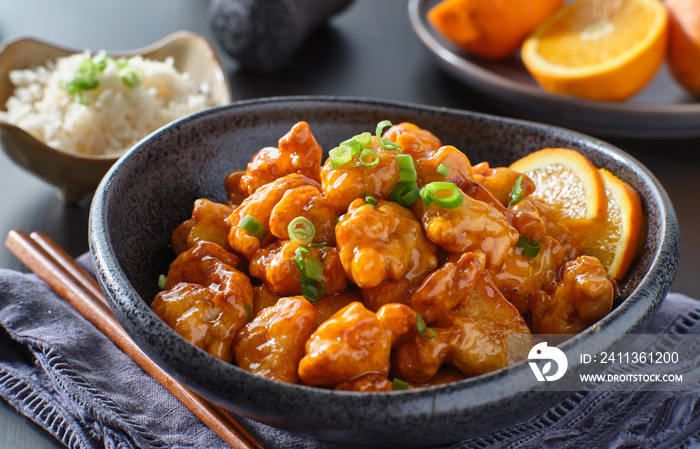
<point>442,400</point>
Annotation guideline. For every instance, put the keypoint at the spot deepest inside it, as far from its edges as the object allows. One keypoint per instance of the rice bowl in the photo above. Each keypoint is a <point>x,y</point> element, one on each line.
<point>109,118</point>
<point>76,175</point>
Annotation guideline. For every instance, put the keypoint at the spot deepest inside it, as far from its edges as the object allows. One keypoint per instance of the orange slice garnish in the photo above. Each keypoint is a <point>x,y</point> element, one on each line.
<point>615,241</point>
<point>569,182</point>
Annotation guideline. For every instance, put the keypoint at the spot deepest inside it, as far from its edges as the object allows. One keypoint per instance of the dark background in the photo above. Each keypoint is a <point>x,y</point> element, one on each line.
<point>368,50</point>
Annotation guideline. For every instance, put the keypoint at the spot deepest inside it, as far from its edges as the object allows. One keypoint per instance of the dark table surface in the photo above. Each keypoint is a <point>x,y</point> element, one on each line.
<point>368,50</point>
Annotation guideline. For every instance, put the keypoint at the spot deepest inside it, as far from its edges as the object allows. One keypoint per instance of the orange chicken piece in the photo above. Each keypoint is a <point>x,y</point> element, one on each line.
<point>297,152</point>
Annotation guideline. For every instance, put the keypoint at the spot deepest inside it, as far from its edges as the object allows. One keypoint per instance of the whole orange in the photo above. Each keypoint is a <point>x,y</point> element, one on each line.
<point>684,42</point>
<point>491,29</point>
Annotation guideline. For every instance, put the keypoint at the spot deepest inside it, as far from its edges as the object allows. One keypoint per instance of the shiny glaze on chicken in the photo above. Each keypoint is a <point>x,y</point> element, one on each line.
<point>407,292</point>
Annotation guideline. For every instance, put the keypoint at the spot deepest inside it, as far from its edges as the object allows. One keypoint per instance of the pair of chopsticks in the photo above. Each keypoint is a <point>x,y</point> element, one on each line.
<point>62,273</point>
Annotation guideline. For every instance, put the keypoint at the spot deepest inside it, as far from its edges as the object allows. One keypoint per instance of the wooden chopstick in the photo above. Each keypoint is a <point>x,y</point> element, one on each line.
<point>70,266</point>
<point>60,271</point>
<point>90,285</point>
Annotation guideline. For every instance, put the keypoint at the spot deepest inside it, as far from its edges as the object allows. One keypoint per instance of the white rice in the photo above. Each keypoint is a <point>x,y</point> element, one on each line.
<point>114,116</point>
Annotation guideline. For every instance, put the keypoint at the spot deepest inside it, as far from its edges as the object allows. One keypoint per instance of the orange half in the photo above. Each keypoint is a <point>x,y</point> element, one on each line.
<point>598,49</point>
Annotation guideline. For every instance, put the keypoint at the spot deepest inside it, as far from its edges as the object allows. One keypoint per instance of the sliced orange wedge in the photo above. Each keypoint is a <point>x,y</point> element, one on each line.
<point>615,241</point>
<point>568,181</point>
<point>598,49</point>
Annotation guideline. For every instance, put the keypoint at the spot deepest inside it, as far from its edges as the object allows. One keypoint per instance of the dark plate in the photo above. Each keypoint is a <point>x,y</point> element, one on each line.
<point>662,110</point>
<point>151,190</point>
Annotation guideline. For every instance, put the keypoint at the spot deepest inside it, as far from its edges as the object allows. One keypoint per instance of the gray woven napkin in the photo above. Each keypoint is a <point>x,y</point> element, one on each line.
<point>61,372</point>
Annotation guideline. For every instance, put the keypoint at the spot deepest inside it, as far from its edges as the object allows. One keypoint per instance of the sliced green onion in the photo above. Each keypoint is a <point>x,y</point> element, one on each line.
<point>253,227</point>
<point>407,170</point>
<point>86,74</point>
<point>443,169</point>
<point>340,156</point>
<point>408,175</point>
<point>314,268</point>
<point>301,231</point>
<point>86,84</point>
<point>364,139</point>
<point>161,281</point>
<point>411,196</point>
<point>297,262</point>
<point>355,146</point>
<point>368,152</point>
<point>70,87</point>
<point>426,199</point>
<point>429,194</point>
<point>386,144</point>
<point>380,127</point>
<point>343,153</point>
<point>405,162</point>
<point>101,62</point>
<point>311,274</point>
<point>129,76</point>
<point>424,330</point>
<point>405,193</point>
<point>313,290</point>
<point>399,384</point>
<point>517,193</point>
<point>398,191</point>
<point>389,145</point>
<point>531,248</point>
<point>319,245</point>
<point>341,218</point>
<point>370,199</point>
<point>84,78</point>
<point>249,311</point>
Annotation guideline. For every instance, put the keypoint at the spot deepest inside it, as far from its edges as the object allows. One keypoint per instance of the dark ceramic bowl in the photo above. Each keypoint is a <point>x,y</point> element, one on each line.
<point>151,190</point>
